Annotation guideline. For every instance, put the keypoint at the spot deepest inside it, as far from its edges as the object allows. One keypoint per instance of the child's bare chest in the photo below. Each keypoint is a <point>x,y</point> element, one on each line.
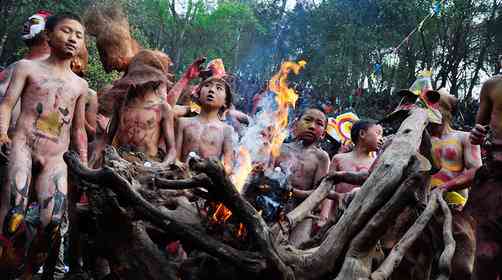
<point>140,117</point>
<point>349,164</point>
<point>301,163</point>
<point>204,135</point>
<point>51,94</point>
<point>448,149</point>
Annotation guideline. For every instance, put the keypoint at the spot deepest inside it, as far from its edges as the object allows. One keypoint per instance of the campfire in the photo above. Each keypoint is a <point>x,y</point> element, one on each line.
<point>267,133</point>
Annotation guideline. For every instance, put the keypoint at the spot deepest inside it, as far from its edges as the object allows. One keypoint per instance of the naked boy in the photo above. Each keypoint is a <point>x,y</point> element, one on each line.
<point>52,110</point>
<point>367,138</point>
<point>457,158</point>
<point>206,134</point>
<point>145,117</point>
<point>458,161</point>
<point>306,162</point>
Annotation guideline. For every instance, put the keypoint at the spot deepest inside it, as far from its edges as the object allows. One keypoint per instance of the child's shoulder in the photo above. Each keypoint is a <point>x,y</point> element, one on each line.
<point>342,156</point>
<point>186,120</point>
<point>321,154</point>
<point>227,129</point>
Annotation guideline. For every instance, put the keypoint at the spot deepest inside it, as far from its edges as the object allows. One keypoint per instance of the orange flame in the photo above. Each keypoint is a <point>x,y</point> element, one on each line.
<point>221,214</point>
<point>241,231</point>
<point>286,97</point>
<point>243,169</point>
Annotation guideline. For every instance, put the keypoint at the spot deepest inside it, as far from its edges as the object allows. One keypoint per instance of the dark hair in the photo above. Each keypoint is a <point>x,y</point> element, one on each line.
<point>229,97</point>
<point>317,109</point>
<point>357,127</point>
<point>54,20</point>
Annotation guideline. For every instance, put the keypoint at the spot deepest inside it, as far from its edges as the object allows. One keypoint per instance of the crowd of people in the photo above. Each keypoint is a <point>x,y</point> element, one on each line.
<point>47,109</point>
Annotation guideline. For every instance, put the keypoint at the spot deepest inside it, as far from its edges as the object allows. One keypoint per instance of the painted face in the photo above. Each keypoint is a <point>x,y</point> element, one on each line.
<point>372,137</point>
<point>213,94</point>
<point>67,38</point>
<point>311,126</point>
<point>33,27</point>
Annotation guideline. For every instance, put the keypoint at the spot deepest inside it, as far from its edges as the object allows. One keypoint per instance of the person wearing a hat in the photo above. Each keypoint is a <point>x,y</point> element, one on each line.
<point>206,134</point>
<point>453,153</point>
<point>144,117</point>
<point>457,160</point>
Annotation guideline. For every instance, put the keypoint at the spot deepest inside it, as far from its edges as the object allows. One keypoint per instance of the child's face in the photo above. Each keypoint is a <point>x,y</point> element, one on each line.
<point>212,94</point>
<point>372,137</point>
<point>67,38</point>
<point>311,126</point>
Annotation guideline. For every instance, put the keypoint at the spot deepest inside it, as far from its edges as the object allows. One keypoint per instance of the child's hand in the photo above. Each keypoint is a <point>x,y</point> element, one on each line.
<point>478,134</point>
<point>102,122</point>
<point>4,139</point>
<point>195,68</point>
<point>320,223</point>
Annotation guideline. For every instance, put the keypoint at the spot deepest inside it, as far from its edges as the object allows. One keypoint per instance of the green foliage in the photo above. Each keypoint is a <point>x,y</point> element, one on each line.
<point>342,40</point>
<point>95,74</point>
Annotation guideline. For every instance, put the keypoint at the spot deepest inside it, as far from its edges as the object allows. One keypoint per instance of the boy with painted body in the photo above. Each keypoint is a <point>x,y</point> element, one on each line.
<point>453,152</point>
<point>205,134</point>
<point>307,164</point>
<point>144,118</point>
<point>458,160</point>
<point>367,137</point>
<point>52,101</point>
<point>485,196</point>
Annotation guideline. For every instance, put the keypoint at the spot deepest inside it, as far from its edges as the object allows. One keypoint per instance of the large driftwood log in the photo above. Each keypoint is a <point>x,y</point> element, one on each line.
<point>356,264</point>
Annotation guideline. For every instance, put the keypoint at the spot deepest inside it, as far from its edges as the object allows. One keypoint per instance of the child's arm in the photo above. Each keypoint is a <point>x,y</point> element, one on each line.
<point>180,126</point>
<point>91,111</point>
<point>168,130</point>
<point>326,204</point>
<point>13,93</point>
<point>79,134</point>
<point>228,149</point>
<point>191,73</point>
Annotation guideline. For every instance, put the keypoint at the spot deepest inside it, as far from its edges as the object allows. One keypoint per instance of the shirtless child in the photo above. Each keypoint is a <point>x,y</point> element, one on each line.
<point>458,161</point>
<point>456,157</point>
<point>206,134</point>
<point>367,138</point>
<point>52,110</point>
<point>307,163</point>
<point>485,196</point>
<point>145,117</point>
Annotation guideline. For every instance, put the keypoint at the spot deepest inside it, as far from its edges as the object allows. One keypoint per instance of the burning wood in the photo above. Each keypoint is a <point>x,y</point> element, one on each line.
<point>221,214</point>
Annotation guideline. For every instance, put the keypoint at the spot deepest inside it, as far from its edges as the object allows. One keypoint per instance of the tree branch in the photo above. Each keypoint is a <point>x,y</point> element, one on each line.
<point>224,189</point>
<point>449,243</point>
<point>397,253</point>
<point>357,262</point>
<point>108,178</point>
<point>375,192</point>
